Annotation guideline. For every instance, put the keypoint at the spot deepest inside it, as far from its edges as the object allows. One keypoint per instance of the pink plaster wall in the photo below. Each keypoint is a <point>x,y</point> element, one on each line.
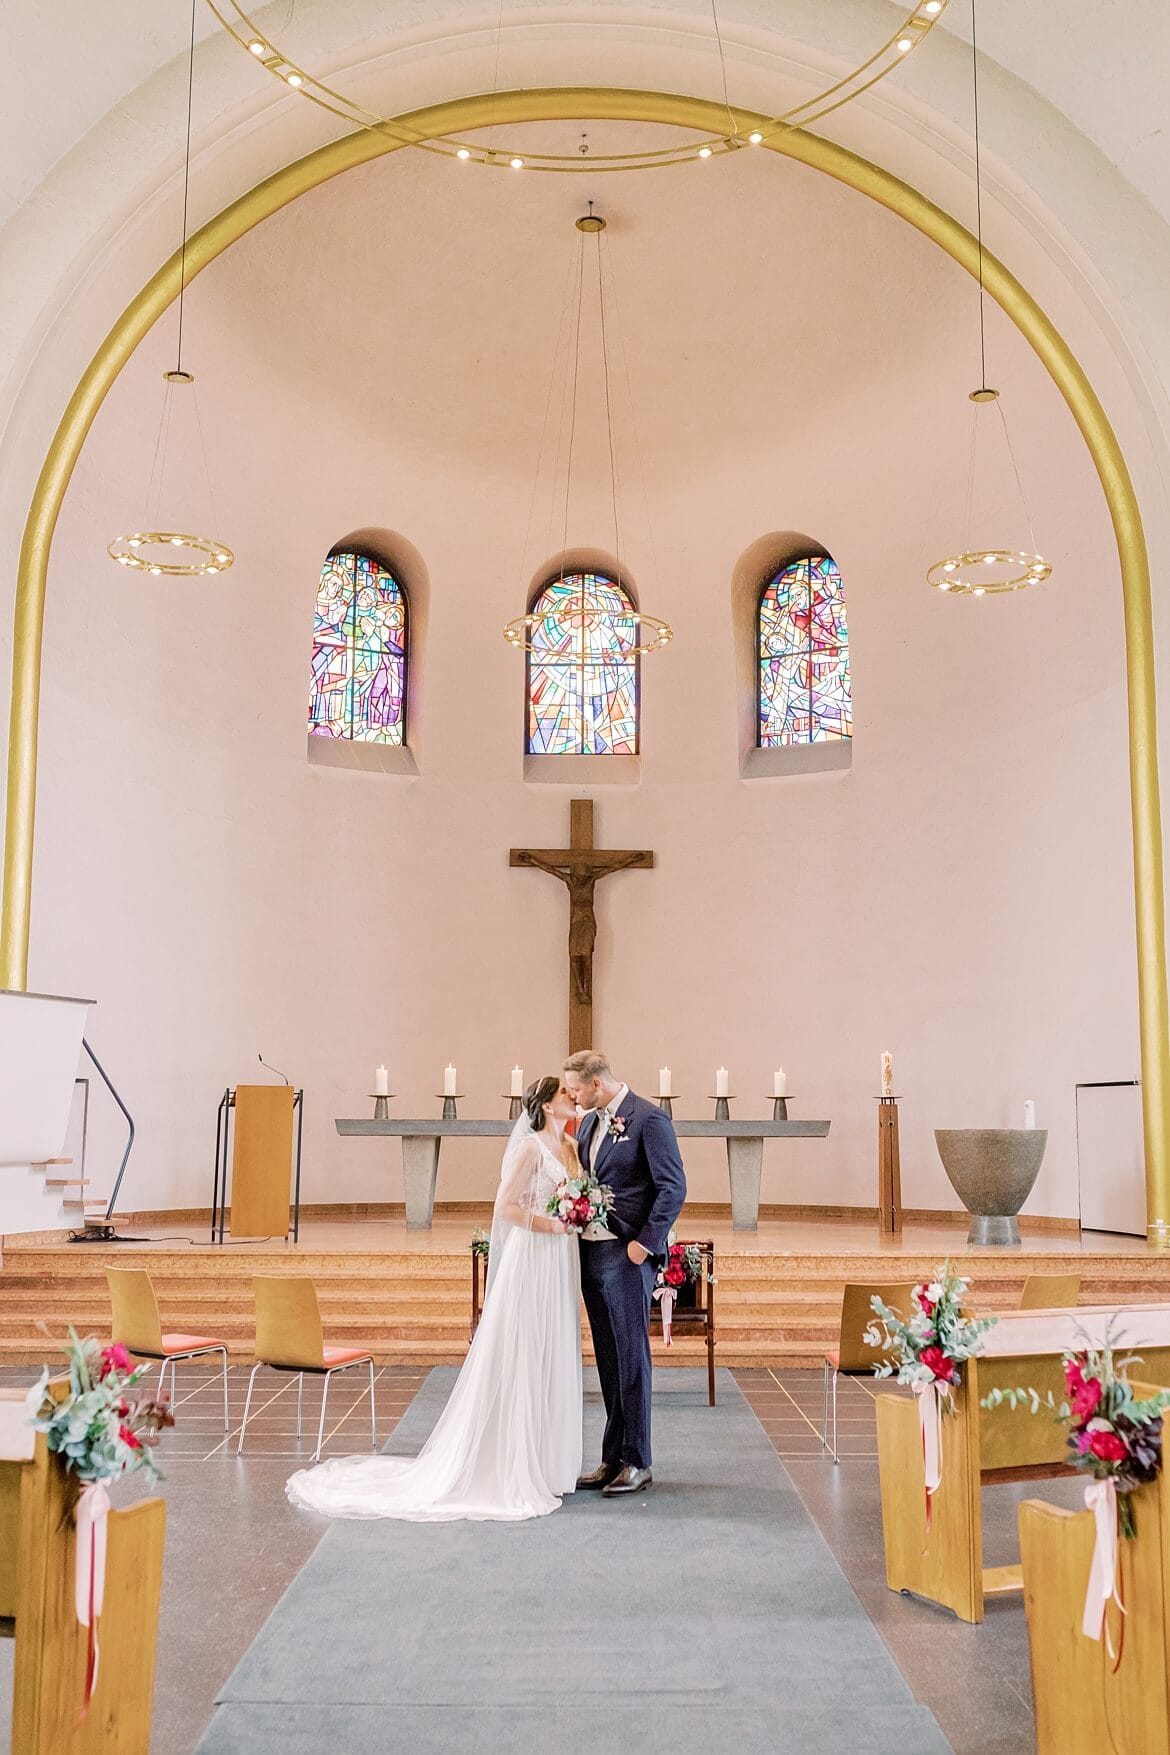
<point>378,356</point>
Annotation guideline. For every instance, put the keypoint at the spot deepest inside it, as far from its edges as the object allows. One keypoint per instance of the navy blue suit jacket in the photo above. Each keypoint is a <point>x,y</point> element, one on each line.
<point>644,1169</point>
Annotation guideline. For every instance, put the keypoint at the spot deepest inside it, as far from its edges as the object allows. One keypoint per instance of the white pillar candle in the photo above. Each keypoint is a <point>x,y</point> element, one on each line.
<point>722,1088</point>
<point>887,1074</point>
<point>517,1081</point>
<point>381,1082</point>
<point>664,1081</point>
<point>1029,1113</point>
<point>450,1089</point>
<point>780,1083</point>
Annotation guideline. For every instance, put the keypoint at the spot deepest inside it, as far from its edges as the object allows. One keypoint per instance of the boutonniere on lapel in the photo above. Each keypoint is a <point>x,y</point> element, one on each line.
<point>615,1127</point>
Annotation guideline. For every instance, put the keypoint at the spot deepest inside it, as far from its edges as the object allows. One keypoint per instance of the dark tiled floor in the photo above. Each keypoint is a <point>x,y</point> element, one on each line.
<point>234,1543</point>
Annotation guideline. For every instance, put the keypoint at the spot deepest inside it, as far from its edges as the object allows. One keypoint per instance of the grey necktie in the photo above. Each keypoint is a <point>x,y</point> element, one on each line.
<point>598,1136</point>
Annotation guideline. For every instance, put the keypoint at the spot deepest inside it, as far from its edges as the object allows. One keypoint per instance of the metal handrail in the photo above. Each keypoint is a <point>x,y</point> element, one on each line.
<point>108,1082</point>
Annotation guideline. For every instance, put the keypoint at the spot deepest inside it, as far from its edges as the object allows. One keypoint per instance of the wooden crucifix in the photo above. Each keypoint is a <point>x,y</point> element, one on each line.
<point>579,866</point>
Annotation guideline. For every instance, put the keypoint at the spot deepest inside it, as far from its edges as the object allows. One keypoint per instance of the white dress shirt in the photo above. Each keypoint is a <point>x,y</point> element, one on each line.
<point>604,1117</point>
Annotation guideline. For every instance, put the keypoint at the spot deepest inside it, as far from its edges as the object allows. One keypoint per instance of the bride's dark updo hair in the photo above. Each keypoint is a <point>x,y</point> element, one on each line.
<point>539,1093</point>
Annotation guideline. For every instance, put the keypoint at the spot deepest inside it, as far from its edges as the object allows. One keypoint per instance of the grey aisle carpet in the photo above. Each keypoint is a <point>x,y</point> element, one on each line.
<point>706,1614</point>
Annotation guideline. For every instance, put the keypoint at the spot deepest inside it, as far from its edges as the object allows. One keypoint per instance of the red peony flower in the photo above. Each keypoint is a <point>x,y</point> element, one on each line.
<point>1108,1446</point>
<point>675,1274</point>
<point>115,1358</point>
<point>130,1438</point>
<point>936,1360</point>
<point>1074,1376</point>
<point>925,1304</point>
<point>1086,1398</point>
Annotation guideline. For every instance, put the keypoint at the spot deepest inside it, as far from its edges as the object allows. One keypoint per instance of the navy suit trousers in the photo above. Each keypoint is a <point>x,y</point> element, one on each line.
<point>617,1298</point>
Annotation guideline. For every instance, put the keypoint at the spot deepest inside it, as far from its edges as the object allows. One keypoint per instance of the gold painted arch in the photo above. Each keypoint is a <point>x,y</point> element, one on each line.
<point>570,103</point>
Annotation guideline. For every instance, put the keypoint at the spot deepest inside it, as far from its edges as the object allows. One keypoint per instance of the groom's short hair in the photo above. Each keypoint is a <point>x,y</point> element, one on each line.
<point>588,1063</point>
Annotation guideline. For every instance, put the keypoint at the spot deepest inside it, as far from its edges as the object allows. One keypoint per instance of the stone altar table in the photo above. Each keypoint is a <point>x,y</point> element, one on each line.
<point>422,1140</point>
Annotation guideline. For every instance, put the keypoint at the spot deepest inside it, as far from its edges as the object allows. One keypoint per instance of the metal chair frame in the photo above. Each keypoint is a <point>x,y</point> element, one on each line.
<point>325,1371</point>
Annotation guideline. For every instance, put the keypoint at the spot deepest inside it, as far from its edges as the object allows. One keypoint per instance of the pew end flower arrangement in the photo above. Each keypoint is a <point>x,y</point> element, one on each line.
<point>103,1427</point>
<point>1113,1435</point>
<point>678,1281</point>
<point>1116,1437</point>
<point>926,1353</point>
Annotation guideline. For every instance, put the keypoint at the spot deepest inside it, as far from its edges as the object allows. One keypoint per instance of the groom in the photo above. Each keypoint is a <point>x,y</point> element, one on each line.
<point>629,1145</point>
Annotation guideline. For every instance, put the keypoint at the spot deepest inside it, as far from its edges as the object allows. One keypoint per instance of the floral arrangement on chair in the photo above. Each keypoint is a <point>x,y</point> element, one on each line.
<point>684,1267</point>
<point>928,1353</point>
<point>1114,1436</point>
<point>481,1242</point>
<point>102,1429</point>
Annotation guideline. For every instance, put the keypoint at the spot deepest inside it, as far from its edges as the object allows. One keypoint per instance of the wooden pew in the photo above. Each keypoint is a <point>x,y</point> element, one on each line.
<point>981,1448</point>
<point>37,1546</point>
<point>1084,1702</point>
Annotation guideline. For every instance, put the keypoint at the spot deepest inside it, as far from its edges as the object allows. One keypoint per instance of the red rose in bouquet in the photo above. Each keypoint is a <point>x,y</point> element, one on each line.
<point>114,1358</point>
<point>675,1274</point>
<point>936,1360</point>
<point>1086,1398</point>
<point>1108,1446</point>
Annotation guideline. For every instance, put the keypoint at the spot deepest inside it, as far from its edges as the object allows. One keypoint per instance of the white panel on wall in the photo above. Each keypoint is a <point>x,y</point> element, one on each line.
<point>1110,1158</point>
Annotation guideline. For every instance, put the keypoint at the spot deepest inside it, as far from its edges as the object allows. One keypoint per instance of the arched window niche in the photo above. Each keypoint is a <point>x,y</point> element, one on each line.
<point>794,685</point>
<point>582,682</point>
<point>365,638</point>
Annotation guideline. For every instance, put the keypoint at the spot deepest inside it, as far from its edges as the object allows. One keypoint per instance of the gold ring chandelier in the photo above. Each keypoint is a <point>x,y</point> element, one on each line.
<point>915,27</point>
<point>963,576</point>
<point>519,631</point>
<point>196,556</point>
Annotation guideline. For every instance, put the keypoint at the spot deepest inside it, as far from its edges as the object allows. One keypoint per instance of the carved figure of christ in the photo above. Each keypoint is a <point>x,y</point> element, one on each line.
<point>579,867</point>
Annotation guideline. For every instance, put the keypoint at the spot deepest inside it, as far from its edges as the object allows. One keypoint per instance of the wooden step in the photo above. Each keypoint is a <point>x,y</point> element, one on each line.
<point>66,1182</point>
<point>44,1163</point>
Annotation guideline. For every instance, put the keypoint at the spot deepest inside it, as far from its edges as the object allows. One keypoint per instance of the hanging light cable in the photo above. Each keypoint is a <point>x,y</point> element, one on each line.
<point>649,632</point>
<point>152,549</point>
<point>981,572</point>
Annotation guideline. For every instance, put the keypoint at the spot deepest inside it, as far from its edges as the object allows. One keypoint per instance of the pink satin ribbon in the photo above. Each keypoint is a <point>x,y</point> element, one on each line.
<point>93,1509</point>
<point>1101,1500</point>
<point>668,1295</point>
<point>929,1396</point>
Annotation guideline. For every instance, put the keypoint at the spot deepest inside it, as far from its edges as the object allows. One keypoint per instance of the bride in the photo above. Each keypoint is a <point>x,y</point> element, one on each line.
<point>508,1443</point>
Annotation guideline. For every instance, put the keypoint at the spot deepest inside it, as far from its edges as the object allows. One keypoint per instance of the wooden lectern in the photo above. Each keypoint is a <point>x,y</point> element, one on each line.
<point>259,1147</point>
<point>37,1560</point>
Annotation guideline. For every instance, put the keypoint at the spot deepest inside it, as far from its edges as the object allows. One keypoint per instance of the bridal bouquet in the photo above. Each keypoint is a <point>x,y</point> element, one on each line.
<point>582,1205</point>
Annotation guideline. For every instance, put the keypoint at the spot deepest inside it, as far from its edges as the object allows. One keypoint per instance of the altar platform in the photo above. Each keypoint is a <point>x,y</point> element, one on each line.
<point>407,1293</point>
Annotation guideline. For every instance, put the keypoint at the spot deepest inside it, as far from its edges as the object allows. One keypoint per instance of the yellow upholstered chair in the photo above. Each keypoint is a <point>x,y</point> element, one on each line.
<point>137,1324</point>
<point>851,1357</point>
<point>289,1337</point>
<point>1050,1292</point>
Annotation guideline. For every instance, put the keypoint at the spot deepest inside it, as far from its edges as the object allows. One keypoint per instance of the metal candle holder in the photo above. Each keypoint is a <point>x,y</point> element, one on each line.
<point>515,1107</point>
<point>780,1108</point>
<point>722,1112</point>
<point>666,1104</point>
<point>381,1104</point>
<point>450,1113</point>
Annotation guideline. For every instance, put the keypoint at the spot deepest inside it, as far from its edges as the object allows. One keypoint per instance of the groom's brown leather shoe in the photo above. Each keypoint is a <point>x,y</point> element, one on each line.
<point>601,1477</point>
<point>628,1480</point>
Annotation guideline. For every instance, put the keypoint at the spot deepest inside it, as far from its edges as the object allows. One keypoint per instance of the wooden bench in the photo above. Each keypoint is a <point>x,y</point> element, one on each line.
<point>980,1449</point>
<point>37,1498</point>
<point>1085,1702</point>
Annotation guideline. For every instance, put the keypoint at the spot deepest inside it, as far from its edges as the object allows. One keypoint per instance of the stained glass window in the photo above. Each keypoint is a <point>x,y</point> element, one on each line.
<point>582,671</point>
<point>803,650</point>
<point>359,652</point>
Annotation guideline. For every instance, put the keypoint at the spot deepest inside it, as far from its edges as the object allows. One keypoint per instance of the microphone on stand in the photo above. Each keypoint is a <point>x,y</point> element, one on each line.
<point>271,1069</point>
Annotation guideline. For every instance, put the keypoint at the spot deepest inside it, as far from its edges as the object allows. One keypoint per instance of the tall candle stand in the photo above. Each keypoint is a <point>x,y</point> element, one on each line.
<point>889,1168</point>
<point>780,1108</point>
<point>381,1104</point>
<point>722,1112</point>
<point>450,1113</point>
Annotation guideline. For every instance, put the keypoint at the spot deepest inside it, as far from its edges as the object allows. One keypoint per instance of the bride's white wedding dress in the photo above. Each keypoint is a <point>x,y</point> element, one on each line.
<point>508,1443</point>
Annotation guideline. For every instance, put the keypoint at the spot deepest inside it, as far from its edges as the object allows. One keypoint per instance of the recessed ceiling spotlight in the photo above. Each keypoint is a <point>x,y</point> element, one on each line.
<point>704,152</point>
<point>295,79</point>
<point>905,44</point>
<point>755,138</point>
<point>257,47</point>
<point>517,164</point>
<point>463,153</point>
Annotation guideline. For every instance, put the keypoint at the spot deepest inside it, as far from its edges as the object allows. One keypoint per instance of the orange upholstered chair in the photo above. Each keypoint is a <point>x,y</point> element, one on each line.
<point>1050,1292</point>
<point>289,1337</point>
<point>137,1324</point>
<point>851,1357</point>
